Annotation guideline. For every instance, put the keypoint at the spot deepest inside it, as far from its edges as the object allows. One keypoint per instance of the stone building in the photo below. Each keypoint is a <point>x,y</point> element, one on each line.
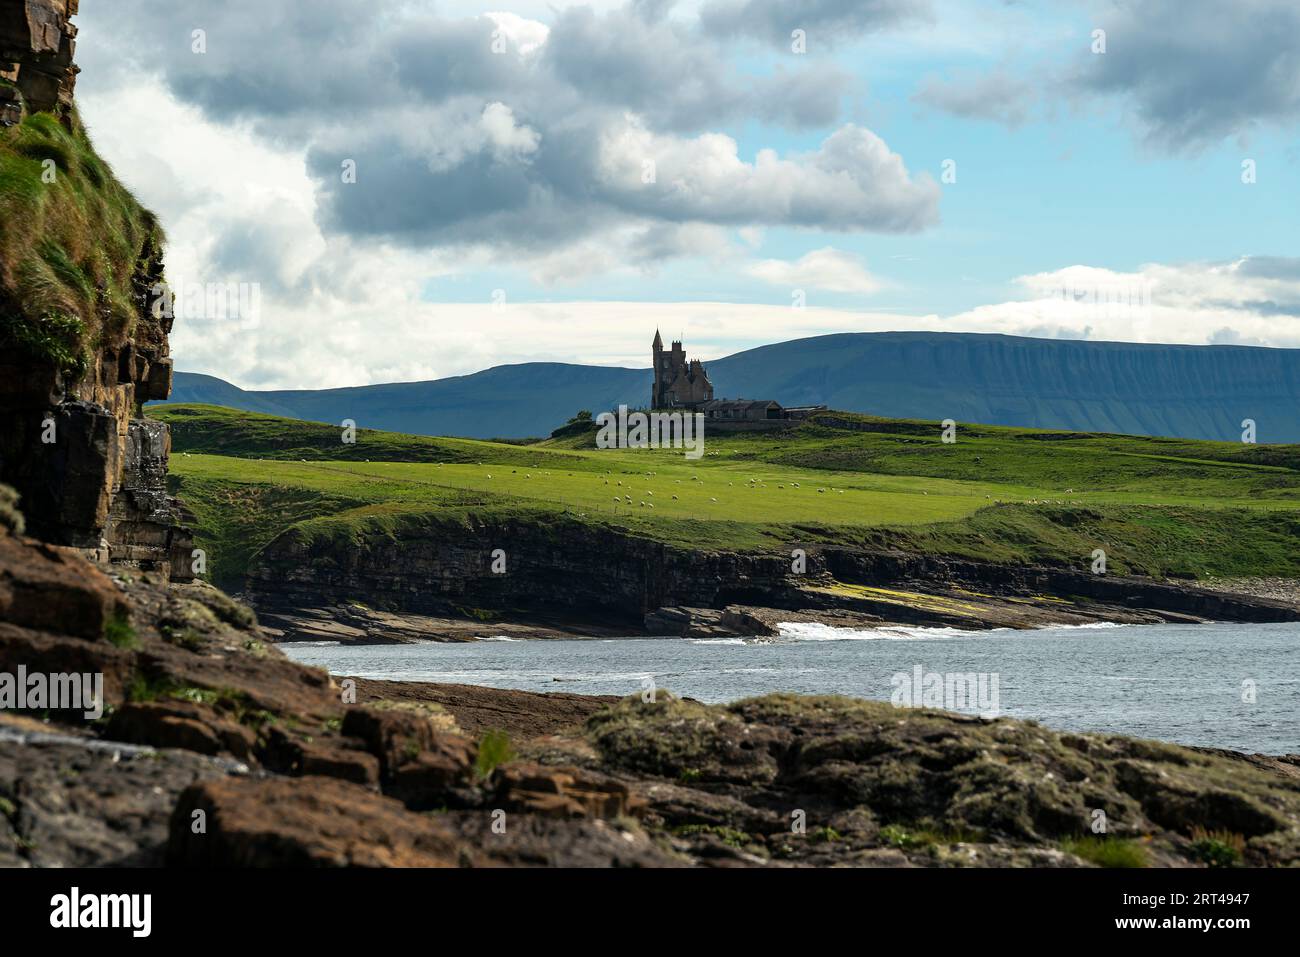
<point>747,410</point>
<point>678,383</point>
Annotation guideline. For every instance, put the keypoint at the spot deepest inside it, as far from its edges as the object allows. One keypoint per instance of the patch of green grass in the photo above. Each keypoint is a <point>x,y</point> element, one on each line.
<point>494,749</point>
<point>904,838</point>
<point>71,244</point>
<point>1159,507</point>
<point>119,632</point>
<point>215,430</point>
<point>188,638</point>
<point>1218,848</point>
<point>54,337</point>
<point>145,686</point>
<point>1107,851</point>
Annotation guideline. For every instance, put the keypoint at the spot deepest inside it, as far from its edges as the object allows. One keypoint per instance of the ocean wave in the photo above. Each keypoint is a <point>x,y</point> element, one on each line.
<point>815,631</point>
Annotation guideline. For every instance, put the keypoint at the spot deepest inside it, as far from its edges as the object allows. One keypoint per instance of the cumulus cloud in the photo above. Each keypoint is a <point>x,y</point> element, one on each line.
<point>1197,72</point>
<point>1186,75</point>
<point>496,132</point>
<point>853,181</point>
<point>830,269</point>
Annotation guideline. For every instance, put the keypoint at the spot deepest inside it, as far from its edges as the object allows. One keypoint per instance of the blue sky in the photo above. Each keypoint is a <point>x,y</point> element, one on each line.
<point>498,216</point>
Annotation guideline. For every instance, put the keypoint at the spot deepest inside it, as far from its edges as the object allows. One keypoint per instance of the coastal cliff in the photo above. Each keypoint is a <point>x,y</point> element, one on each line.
<point>82,347</point>
<point>573,574</point>
<point>196,717</point>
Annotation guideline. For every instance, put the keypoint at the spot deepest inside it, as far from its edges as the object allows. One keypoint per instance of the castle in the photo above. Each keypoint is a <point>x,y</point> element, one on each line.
<point>682,384</point>
<point>678,383</point>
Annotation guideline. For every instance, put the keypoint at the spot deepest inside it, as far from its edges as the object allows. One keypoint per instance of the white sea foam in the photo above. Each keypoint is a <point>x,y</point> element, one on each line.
<point>815,631</point>
<point>497,638</point>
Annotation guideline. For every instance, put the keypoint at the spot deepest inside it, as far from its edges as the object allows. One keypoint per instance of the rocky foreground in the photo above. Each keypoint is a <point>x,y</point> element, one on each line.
<point>215,749</point>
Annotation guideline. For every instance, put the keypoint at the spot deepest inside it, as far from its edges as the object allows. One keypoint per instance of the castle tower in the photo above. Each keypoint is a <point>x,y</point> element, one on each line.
<point>656,390</point>
<point>677,382</point>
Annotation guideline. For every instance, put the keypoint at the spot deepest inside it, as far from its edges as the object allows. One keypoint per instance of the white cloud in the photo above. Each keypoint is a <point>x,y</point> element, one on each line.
<point>828,268</point>
<point>507,138</point>
<point>1251,299</point>
<point>853,181</point>
<point>526,36</point>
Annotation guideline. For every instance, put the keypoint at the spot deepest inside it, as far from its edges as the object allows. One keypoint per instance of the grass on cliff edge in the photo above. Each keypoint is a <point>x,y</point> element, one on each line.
<point>69,248</point>
<point>1157,506</point>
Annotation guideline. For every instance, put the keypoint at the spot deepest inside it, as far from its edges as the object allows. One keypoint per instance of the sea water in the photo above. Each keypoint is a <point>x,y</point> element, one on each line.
<point>1218,685</point>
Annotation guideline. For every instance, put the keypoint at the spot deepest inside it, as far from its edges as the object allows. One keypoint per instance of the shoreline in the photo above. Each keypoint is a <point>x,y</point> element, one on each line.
<point>291,770</point>
<point>848,607</point>
<point>481,708</point>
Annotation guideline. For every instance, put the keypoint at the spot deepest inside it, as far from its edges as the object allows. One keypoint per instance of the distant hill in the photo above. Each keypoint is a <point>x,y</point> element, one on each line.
<point>1189,391</point>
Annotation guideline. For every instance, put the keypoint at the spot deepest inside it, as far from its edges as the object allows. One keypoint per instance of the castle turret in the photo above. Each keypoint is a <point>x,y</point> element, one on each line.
<point>678,383</point>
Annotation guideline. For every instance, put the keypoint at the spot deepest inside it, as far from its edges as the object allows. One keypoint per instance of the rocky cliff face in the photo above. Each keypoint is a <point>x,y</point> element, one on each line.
<point>563,568</point>
<point>37,43</point>
<point>567,572</point>
<point>89,468</point>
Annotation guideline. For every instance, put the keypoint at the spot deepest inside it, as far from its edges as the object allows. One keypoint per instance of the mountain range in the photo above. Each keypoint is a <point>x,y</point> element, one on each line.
<point>1136,388</point>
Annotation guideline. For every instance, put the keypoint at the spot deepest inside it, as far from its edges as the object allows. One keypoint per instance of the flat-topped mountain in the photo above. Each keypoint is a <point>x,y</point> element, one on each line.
<point>1189,391</point>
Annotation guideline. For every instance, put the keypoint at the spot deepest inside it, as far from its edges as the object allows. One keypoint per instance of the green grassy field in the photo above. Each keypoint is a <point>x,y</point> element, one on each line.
<point>1158,506</point>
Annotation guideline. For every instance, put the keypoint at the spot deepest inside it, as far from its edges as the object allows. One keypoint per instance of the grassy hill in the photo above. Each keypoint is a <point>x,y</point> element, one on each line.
<point>1134,388</point>
<point>1157,506</point>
